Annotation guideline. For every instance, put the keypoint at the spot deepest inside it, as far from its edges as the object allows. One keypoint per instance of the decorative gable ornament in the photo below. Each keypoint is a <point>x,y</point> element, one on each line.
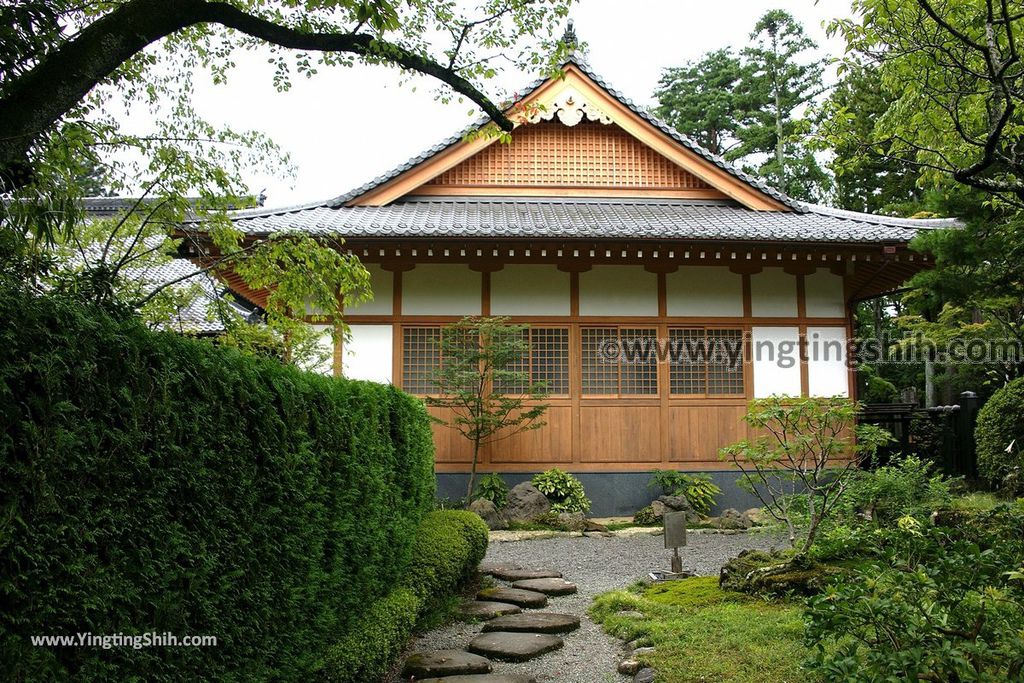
<point>570,108</point>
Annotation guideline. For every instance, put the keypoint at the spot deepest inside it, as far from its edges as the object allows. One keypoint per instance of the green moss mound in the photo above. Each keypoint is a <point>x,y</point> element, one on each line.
<point>776,573</point>
<point>154,483</point>
<point>1001,427</point>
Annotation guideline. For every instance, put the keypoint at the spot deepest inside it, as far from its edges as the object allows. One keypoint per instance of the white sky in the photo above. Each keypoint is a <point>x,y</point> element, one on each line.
<point>345,126</point>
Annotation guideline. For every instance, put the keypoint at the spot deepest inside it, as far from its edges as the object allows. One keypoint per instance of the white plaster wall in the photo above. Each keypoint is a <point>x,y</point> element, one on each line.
<point>827,373</point>
<point>772,375</point>
<point>529,290</point>
<point>773,294</point>
<point>618,290</point>
<point>382,285</point>
<point>436,289</point>
<point>325,344</point>
<point>824,293</point>
<point>368,354</point>
<point>704,291</point>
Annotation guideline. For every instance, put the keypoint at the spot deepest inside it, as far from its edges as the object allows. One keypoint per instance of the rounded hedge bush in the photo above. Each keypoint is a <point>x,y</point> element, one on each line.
<point>1000,432</point>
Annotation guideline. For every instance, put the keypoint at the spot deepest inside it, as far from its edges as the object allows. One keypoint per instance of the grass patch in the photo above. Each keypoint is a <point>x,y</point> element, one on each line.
<point>976,502</point>
<point>703,634</point>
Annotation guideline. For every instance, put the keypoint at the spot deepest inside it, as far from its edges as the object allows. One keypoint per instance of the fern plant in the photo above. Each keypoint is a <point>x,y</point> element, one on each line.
<point>565,491</point>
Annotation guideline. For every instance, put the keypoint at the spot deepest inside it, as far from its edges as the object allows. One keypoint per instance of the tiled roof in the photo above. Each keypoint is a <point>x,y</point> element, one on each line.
<point>627,219</point>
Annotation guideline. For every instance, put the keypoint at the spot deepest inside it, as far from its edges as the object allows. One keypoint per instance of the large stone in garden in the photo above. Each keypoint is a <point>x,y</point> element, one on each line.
<point>572,521</point>
<point>534,622</point>
<point>514,647</point>
<point>546,586</point>
<point>488,512</point>
<point>481,609</point>
<point>482,678</point>
<point>644,676</point>
<point>515,596</point>
<point>444,663</point>
<point>488,568</point>
<point>518,573</point>
<point>680,504</point>
<point>526,503</point>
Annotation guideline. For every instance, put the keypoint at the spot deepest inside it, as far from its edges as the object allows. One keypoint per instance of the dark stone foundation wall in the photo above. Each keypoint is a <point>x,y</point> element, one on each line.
<point>613,494</point>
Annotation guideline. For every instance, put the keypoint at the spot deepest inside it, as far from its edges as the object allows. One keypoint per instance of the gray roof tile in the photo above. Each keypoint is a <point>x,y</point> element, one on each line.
<point>545,218</point>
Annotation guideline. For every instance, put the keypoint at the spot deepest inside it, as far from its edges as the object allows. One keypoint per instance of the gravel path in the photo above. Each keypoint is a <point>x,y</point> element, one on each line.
<point>595,565</point>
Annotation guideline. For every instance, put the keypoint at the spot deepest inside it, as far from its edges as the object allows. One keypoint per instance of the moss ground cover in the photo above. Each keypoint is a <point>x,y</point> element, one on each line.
<point>702,633</point>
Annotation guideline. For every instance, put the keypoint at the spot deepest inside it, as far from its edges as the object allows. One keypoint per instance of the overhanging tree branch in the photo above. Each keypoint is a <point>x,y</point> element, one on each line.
<point>36,101</point>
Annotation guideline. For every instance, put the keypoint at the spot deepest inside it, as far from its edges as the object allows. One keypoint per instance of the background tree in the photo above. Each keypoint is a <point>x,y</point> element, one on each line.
<point>779,82</point>
<point>752,108</point>
<point>480,382</point>
<point>864,180</point>
<point>68,71</point>
<point>699,99</point>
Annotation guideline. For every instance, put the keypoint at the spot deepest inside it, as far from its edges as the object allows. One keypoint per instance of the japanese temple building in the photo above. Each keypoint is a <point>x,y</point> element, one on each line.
<point>595,222</point>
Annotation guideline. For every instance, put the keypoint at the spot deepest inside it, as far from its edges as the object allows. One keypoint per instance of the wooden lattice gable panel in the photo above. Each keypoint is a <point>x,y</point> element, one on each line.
<point>574,101</point>
<point>548,155</point>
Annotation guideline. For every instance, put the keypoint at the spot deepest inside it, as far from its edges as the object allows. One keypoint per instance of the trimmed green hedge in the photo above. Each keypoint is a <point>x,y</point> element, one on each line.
<point>448,548</point>
<point>1000,424</point>
<point>153,483</point>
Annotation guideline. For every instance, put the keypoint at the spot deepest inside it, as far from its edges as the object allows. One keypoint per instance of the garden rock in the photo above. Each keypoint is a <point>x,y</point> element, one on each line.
<point>594,527</point>
<point>514,647</point>
<point>629,667</point>
<point>518,574</point>
<point>761,573</point>
<point>482,678</point>
<point>680,504</point>
<point>526,503</point>
<point>489,512</point>
<point>515,596</point>
<point>488,568</point>
<point>546,586</point>
<point>481,609</point>
<point>659,509</point>
<point>756,516</point>
<point>444,663</point>
<point>572,521</point>
<point>534,622</point>
<point>644,676</point>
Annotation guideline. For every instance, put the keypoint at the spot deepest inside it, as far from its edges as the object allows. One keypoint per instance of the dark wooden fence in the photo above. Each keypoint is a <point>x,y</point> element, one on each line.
<point>944,434</point>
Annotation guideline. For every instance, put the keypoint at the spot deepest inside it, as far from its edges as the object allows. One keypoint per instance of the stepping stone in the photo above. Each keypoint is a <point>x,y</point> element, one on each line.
<point>514,647</point>
<point>483,678</point>
<point>488,568</point>
<point>444,663</point>
<point>515,596</point>
<point>518,574</point>
<point>534,622</point>
<point>480,609</point>
<point>546,586</point>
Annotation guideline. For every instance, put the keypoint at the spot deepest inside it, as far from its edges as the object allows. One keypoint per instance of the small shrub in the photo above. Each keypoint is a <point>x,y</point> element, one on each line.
<point>907,487</point>
<point>939,605</point>
<point>645,516</point>
<point>448,547</point>
<point>1000,433</point>
<point>565,491</point>
<point>493,488</point>
<point>698,489</point>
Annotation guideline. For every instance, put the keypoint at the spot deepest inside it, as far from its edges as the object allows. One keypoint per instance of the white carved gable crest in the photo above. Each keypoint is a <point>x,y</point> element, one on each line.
<point>570,107</point>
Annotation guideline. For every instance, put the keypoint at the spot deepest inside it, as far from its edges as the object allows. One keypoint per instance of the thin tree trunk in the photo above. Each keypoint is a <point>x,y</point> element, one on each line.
<point>472,470</point>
